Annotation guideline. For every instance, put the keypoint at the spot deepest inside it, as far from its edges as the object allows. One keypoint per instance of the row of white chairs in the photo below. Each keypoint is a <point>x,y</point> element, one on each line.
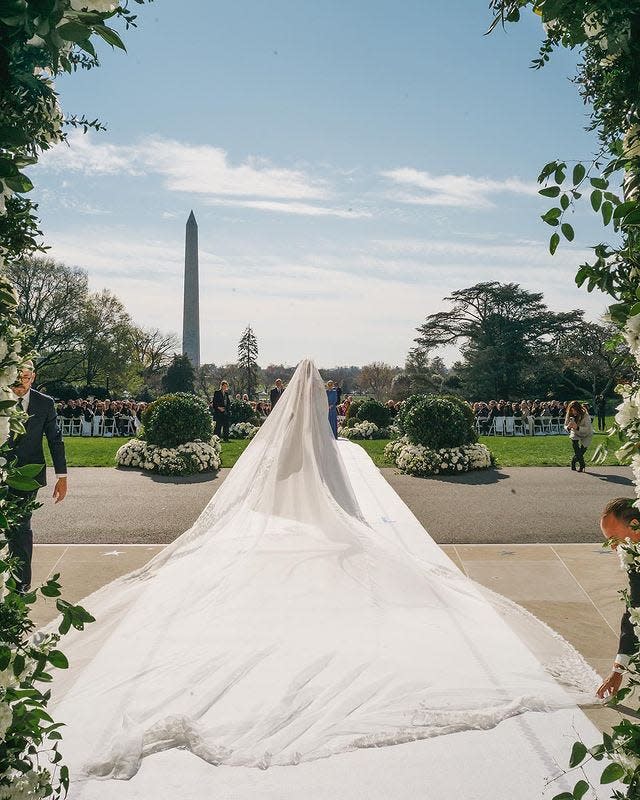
<point>98,426</point>
<point>521,426</point>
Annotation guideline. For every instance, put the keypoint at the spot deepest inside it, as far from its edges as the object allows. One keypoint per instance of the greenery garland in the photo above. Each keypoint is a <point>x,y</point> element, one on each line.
<point>607,35</point>
<point>38,41</point>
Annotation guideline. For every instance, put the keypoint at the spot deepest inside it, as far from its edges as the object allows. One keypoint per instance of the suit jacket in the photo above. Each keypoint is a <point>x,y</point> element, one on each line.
<point>221,398</point>
<point>628,639</point>
<point>274,396</point>
<point>42,422</point>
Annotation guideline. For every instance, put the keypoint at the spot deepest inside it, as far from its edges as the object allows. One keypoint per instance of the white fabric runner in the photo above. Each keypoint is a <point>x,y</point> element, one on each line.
<point>306,614</point>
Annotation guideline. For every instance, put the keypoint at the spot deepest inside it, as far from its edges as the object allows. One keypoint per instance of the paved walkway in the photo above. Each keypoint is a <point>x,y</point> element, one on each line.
<point>521,504</point>
<point>571,587</point>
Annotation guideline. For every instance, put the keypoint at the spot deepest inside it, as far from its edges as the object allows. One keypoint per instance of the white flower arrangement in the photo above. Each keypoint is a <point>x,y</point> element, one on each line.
<point>243,430</point>
<point>185,459</point>
<point>416,459</point>
<point>363,430</point>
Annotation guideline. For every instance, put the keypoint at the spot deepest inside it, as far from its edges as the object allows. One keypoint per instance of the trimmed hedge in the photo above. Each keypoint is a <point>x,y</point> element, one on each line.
<point>176,419</point>
<point>435,422</point>
<point>373,411</point>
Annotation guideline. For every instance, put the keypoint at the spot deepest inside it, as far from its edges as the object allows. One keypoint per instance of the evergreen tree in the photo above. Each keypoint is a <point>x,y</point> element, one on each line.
<point>247,359</point>
<point>181,376</point>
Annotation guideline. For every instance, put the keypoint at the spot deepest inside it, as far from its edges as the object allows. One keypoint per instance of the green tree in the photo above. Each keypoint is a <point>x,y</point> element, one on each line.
<point>498,327</point>
<point>52,298</point>
<point>180,376</point>
<point>248,360</point>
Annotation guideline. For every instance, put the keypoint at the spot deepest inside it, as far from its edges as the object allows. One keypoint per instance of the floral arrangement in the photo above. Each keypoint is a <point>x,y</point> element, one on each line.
<point>363,430</point>
<point>416,459</point>
<point>243,430</point>
<point>185,459</point>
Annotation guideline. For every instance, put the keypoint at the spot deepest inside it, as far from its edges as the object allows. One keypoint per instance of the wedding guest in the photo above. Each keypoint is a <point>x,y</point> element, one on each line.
<point>26,448</point>
<point>578,423</point>
<point>332,399</point>
<point>222,406</point>
<point>620,521</point>
<point>276,393</point>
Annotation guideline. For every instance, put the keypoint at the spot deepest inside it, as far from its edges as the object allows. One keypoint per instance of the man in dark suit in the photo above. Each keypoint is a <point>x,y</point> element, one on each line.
<point>620,521</point>
<point>221,408</point>
<point>276,393</point>
<point>27,449</point>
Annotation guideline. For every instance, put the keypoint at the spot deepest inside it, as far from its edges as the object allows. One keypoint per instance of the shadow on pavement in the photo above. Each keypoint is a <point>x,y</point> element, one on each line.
<point>479,477</point>
<point>611,478</point>
<point>202,477</point>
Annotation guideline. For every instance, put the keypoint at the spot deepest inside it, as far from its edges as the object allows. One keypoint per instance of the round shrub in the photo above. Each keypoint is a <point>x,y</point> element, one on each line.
<point>240,411</point>
<point>436,422</point>
<point>462,404</point>
<point>373,411</point>
<point>175,419</point>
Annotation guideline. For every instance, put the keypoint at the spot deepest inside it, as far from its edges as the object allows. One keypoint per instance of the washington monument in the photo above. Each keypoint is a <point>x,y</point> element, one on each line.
<point>191,313</point>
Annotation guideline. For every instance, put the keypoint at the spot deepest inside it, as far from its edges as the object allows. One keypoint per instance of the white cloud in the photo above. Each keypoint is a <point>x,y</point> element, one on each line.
<point>303,209</point>
<point>200,169</point>
<point>450,190</point>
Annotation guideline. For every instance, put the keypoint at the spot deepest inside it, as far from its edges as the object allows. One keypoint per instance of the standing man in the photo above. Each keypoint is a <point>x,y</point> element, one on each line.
<point>620,521</point>
<point>601,411</point>
<point>276,393</point>
<point>221,408</point>
<point>27,449</point>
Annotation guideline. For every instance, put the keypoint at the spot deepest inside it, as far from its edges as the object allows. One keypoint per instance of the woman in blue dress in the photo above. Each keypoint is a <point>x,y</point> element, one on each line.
<point>333,400</point>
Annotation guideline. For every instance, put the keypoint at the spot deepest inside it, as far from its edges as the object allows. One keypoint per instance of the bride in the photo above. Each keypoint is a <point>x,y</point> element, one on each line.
<point>287,625</point>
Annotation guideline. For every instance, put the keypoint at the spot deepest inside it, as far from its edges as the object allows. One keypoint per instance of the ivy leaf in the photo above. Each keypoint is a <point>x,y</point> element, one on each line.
<point>580,789</point>
<point>57,659</point>
<point>632,218</point>
<point>554,242</point>
<point>578,173</point>
<point>19,183</point>
<point>578,753</point>
<point>624,208</point>
<point>73,32</point>
<point>110,36</point>
<point>559,175</point>
<point>612,773</point>
<point>551,217</point>
<point>596,199</point>
<point>550,191</point>
<point>599,183</point>
<point>564,202</point>
<point>607,212</point>
<point>567,231</point>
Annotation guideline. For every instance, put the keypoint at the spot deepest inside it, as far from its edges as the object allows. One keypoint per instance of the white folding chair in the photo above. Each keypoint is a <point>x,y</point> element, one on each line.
<point>76,426</point>
<point>537,426</point>
<point>66,426</point>
<point>508,426</point>
<point>498,426</point>
<point>518,426</point>
<point>109,428</point>
<point>546,425</point>
<point>87,427</point>
<point>98,425</point>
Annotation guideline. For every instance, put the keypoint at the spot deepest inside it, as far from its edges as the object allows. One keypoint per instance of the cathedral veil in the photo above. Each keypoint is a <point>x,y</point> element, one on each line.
<point>281,628</point>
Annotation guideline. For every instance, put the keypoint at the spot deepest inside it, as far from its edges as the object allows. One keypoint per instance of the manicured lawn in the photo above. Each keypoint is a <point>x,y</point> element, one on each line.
<point>519,451</point>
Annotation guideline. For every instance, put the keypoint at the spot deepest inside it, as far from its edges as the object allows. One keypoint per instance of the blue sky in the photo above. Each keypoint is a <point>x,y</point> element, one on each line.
<point>349,165</point>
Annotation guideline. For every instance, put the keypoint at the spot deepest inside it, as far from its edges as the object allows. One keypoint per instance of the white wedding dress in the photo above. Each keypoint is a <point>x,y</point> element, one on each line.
<point>287,626</point>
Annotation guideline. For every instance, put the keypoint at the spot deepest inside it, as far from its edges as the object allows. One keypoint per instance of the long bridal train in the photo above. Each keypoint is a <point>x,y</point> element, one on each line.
<point>307,614</point>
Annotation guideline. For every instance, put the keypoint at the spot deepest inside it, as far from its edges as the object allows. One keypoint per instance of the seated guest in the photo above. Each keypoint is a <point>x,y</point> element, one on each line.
<point>276,393</point>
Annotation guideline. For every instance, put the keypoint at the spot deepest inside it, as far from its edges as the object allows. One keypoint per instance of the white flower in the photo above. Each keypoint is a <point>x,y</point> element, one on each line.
<point>6,717</point>
<point>102,6</point>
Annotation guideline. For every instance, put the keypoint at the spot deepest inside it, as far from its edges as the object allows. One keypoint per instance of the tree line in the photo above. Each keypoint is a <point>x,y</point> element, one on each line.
<point>511,345</point>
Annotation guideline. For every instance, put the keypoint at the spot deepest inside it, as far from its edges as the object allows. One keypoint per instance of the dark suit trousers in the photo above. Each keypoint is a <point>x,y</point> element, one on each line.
<point>222,427</point>
<point>21,543</point>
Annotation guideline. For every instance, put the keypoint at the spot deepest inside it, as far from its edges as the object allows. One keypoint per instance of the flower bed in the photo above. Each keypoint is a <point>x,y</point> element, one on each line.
<point>185,459</point>
<point>416,459</point>
<point>243,430</point>
<point>363,430</point>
